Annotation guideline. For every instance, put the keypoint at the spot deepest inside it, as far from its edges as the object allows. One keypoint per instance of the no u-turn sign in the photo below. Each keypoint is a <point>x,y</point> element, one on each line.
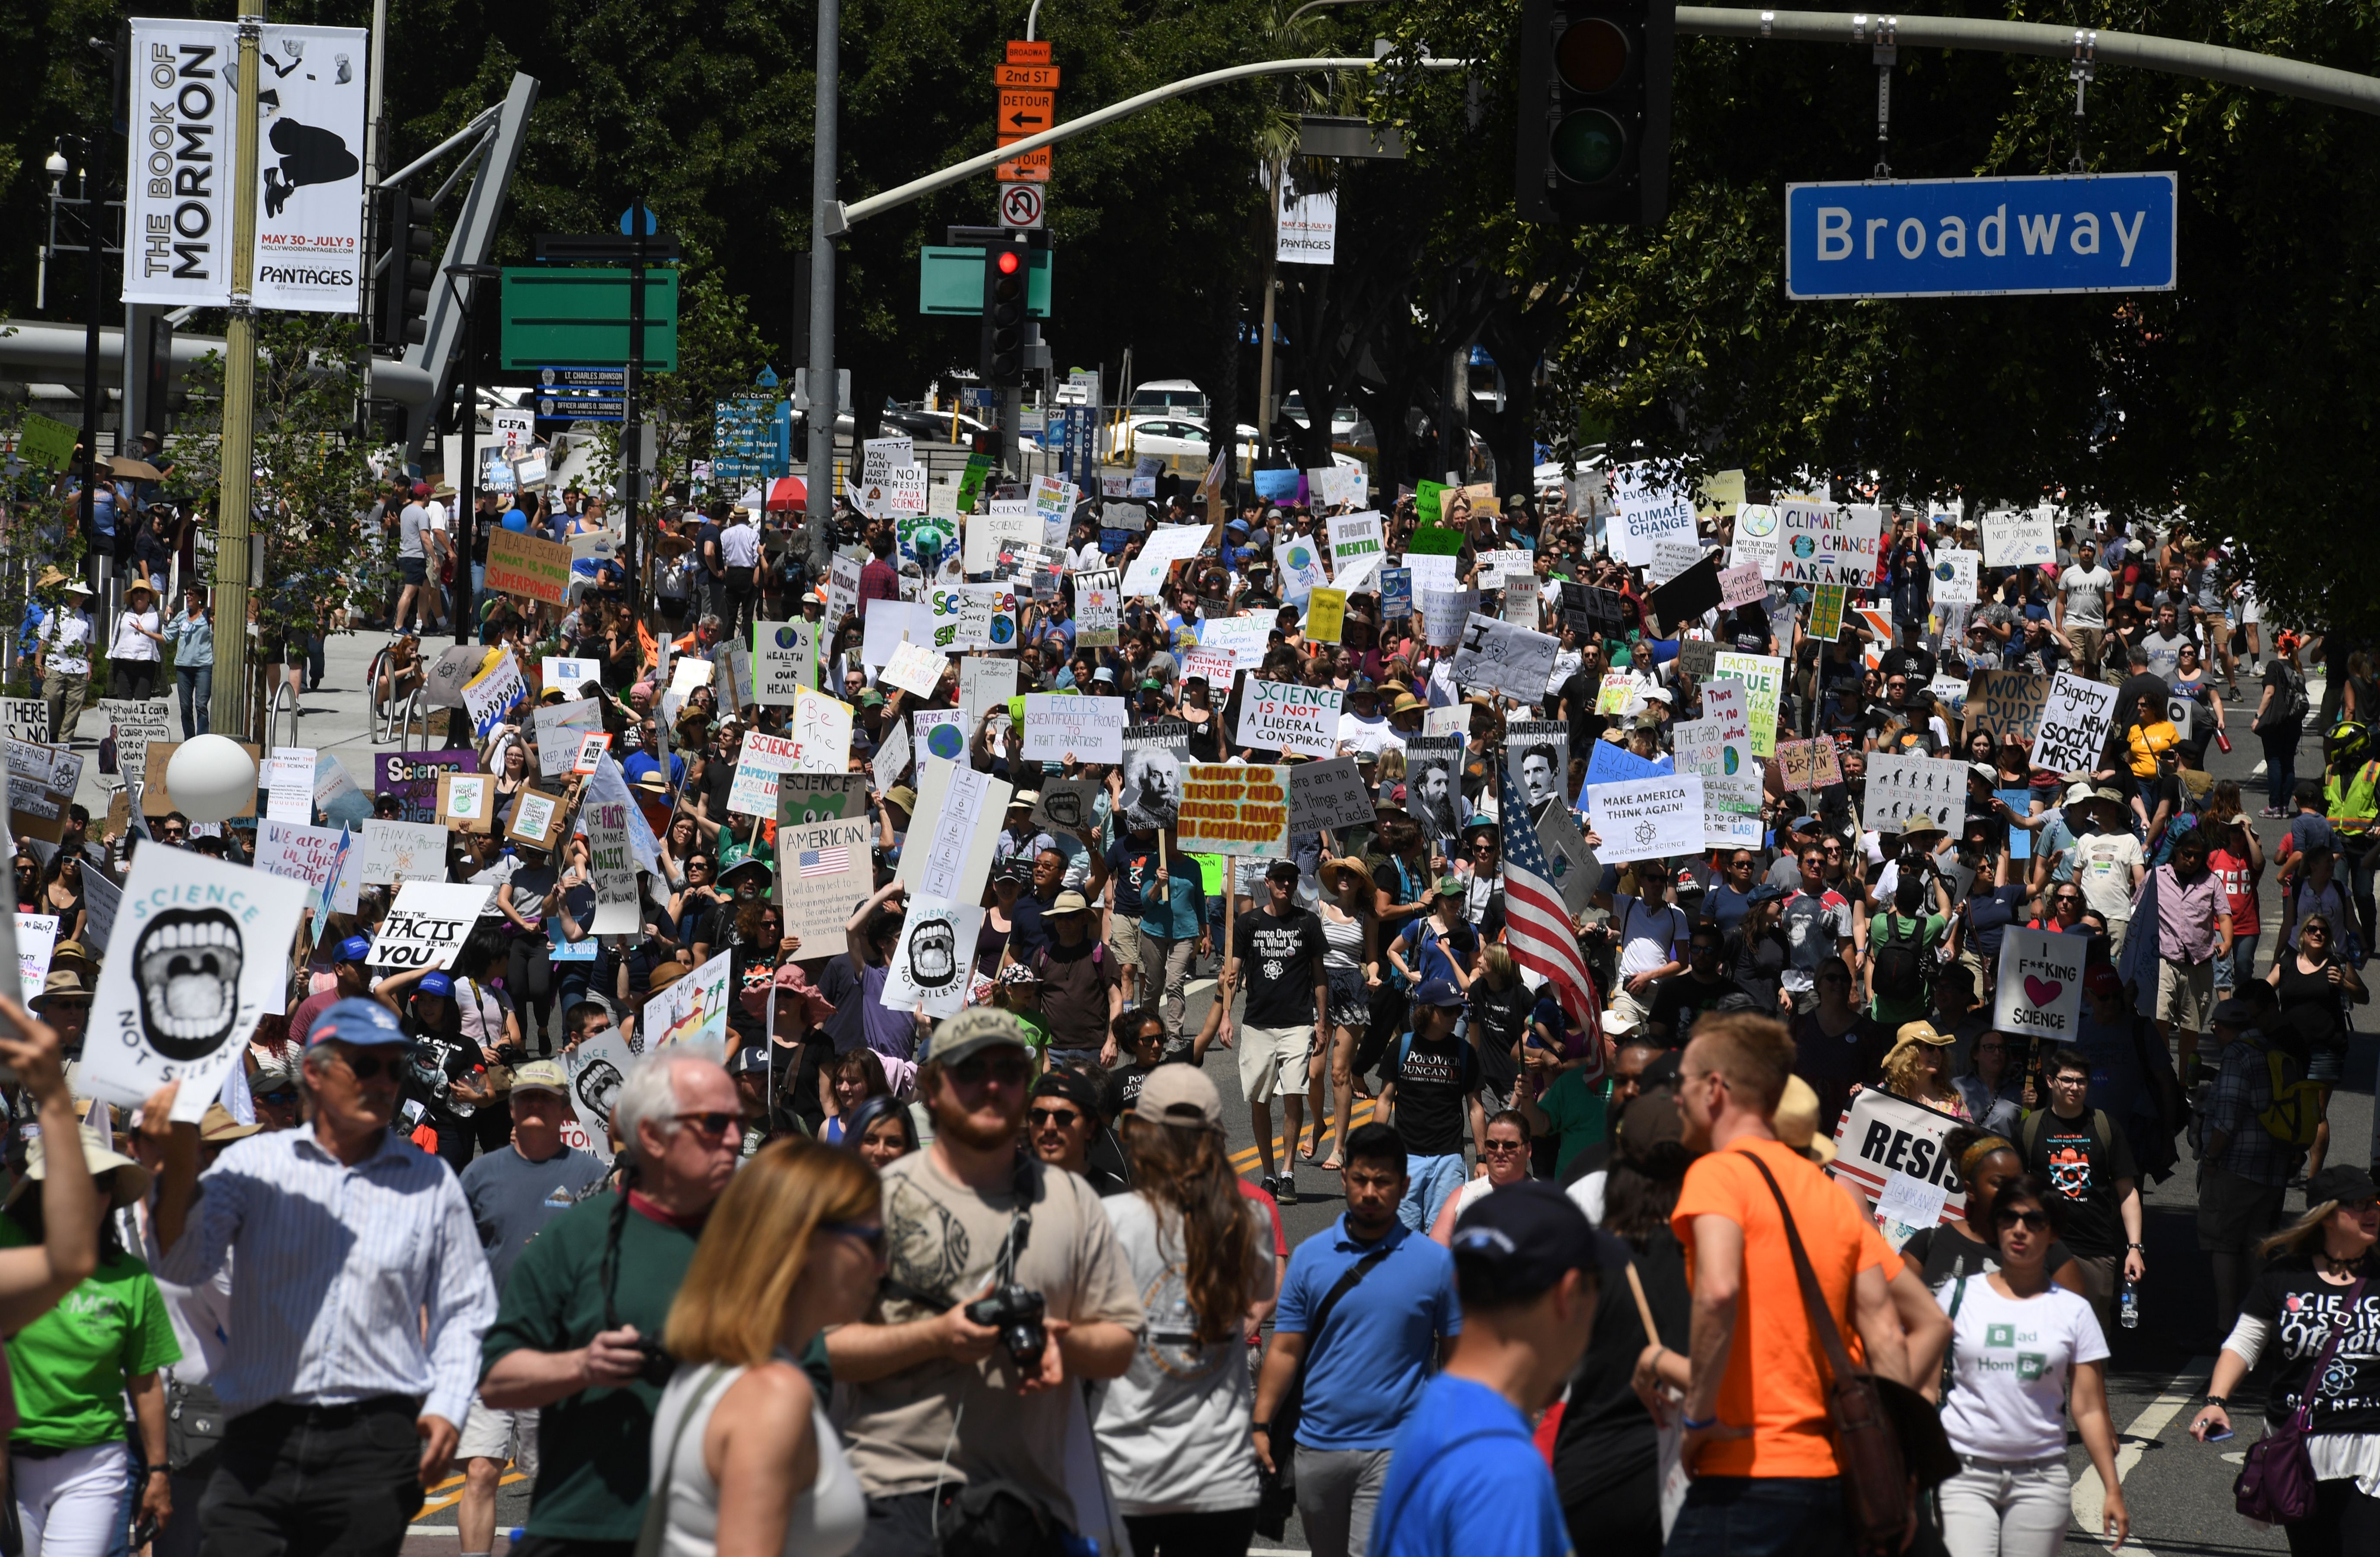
<point>1020,205</point>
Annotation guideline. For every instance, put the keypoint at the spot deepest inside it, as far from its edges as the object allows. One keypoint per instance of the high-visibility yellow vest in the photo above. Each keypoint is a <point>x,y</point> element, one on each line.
<point>2354,805</point>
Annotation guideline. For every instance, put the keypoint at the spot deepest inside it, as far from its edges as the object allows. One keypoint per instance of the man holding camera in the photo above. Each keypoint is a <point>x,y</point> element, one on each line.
<point>1004,1285</point>
<point>579,1325</point>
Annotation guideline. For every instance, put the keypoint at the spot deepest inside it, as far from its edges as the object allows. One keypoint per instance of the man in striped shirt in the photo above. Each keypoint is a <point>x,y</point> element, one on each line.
<point>358,1298</point>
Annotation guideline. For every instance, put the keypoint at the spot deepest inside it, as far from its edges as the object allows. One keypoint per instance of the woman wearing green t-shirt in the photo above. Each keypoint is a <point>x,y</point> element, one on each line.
<point>72,1368</point>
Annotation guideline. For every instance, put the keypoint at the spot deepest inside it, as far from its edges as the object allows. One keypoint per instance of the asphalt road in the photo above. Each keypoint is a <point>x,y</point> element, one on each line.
<point>2179,1490</point>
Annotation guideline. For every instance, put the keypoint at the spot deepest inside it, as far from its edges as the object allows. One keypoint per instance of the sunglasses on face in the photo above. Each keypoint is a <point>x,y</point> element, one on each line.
<point>369,1068</point>
<point>868,1233</point>
<point>2033,1220</point>
<point>713,1123</point>
<point>1009,1070</point>
<point>282,1098</point>
<point>1064,1118</point>
<point>1501,1147</point>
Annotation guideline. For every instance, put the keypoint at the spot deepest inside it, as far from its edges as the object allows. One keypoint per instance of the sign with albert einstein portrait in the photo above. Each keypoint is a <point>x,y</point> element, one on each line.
<point>930,966</point>
<point>199,950</point>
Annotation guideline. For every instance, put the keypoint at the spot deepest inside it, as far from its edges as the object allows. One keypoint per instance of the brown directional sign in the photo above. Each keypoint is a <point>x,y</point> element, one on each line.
<point>1024,113</point>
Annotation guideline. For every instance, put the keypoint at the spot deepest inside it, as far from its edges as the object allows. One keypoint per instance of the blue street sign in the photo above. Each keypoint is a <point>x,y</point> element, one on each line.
<point>1952,237</point>
<point>653,223</point>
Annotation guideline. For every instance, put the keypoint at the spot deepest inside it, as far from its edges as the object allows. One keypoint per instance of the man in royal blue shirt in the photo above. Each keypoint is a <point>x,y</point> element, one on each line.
<point>1366,1367</point>
<point>1466,1475</point>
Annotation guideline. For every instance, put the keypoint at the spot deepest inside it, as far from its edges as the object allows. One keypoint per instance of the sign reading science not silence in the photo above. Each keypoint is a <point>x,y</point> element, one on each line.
<point>1236,809</point>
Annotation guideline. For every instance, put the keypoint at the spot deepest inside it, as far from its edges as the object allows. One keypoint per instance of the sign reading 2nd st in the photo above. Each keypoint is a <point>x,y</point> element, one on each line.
<point>1951,237</point>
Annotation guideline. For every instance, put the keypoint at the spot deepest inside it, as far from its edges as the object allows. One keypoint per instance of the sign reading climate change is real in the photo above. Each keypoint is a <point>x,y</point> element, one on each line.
<point>1947,237</point>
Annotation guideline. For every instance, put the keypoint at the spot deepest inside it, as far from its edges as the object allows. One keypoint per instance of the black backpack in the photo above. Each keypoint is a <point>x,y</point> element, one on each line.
<point>1903,969</point>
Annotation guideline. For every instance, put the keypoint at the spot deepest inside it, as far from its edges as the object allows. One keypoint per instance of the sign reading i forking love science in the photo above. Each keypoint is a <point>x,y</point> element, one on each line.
<point>1948,238</point>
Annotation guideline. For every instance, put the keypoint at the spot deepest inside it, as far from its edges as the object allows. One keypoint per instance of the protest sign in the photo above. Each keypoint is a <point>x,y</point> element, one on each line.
<point>1671,557</point>
<point>1827,611</point>
<point>571,674</point>
<point>1740,585</point>
<point>1431,572</point>
<point>1329,794</point>
<point>2019,538</point>
<point>1686,598</point>
<point>2007,705</point>
<point>1575,869</point>
<point>1301,569</point>
<point>1645,515</point>
<point>1819,543</point>
<point>1513,567</point>
<point>1793,764</point>
<point>892,758</point>
<point>947,855</point>
<point>914,669</point>
<point>1243,637</point>
<point>1954,578</point>
<point>609,861</point>
<point>561,729</point>
<point>138,722</point>
<point>198,951</point>
<point>495,691</point>
<point>1730,777</point>
<point>1326,614</point>
<point>1620,693</point>
<point>1235,810</point>
<point>692,1010</point>
<point>984,684</point>
<point>599,1069</point>
<point>1098,601</point>
<point>1649,819</point>
<point>1059,728</point>
<point>824,868</point>
<point>1396,594</point>
<point>466,802</point>
<point>290,783</point>
<point>821,732</point>
<point>1066,805</point>
<point>1537,753</point>
<point>1285,716</point>
<point>536,819</point>
<point>1904,789</point>
<point>758,765</point>
<point>1444,613</point>
<point>1950,689</point>
<point>1879,1135</point>
<point>1764,677</point>
<point>784,657</point>
<point>37,941</point>
<point>25,719</point>
<point>412,777</point>
<point>427,925</point>
<point>1355,537</point>
<point>1166,545</point>
<point>592,749</point>
<point>299,853</point>
<point>155,797</point>
<point>2074,723</point>
<point>1756,539</point>
<point>842,591</point>
<point>522,565</point>
<point>940,732</point>
<point>1153,755</point>
<point>1696,656</point>
<point>1512,659</point>
<point>2040,991</point>
<point>931,962</point>
<point>988,535</point>
<point>1521,607</point>
<point>802,798</point>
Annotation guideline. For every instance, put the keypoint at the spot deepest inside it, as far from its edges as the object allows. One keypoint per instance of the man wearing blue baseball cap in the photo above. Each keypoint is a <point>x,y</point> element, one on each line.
<point>350,1362</point>
<point>1466,1475</point>
<point>349,978</point>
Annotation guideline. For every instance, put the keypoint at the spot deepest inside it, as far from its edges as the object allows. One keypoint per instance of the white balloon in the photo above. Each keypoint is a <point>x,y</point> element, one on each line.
<point>212,778</point>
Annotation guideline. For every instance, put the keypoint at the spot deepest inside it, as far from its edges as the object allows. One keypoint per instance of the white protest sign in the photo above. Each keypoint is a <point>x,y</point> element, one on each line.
<point>1647,818</point>
<point>289,783</point>
<point>1444,612</point>
<point>571,674</point>
<point>1510,658</point>
<point>1879,1135</point>
<point>1329,794</point>
<point>941,731</point>
<point>1059,728</point>
<point>494,693</point>
<point>562,728</point>
<point>947,855</point>
<point>1902,790</point>
<point>37,941</point>
<point>26,719</point>
<point>598,1069</point>
<point>2074,724</point>
<point>823,868</point>
<point>763,757</point>
<point>1218,667</point>
<point>139,723</point>
<point>1646,515</point>
<point>991,532</point>
<point>299,853</point>
<point>916,669</point>
<point>1098,600</point>
<point>1756,539</point>
<point>1353,539</point>
<point>1730,777</point>
<point>1954,578</point>
<point>1820,543</point>
<point>1671,557</point>
<point>1764,679</point>
<point>403,851</point>
<point>1285,716</point>
<point>1066,805</point>
<point>891,756</point>
<point>612,866</point>
<point>821,732</point>
<point>427,925</point>
<point>2019,538</point>
<point>693,1010</point>
<point>1166,545</point>
<point>2040,992</point>
<point>1243,637</point>
<point>984,684</point>
<point>784,659</point>
<point>931,962</point>
<point>199,949</point>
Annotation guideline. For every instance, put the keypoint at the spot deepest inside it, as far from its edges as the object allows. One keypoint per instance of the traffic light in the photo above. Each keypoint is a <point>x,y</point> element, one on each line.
<point>1592,143</point>
<point>1005,273</point>
<point>405,296</point>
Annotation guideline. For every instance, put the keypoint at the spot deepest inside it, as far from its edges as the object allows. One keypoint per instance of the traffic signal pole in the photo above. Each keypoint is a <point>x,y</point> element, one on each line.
<point>227,708</point>
<point>825,223</point>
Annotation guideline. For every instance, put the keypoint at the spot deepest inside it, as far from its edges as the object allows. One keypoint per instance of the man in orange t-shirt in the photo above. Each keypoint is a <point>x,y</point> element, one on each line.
<point>1762,1454</point>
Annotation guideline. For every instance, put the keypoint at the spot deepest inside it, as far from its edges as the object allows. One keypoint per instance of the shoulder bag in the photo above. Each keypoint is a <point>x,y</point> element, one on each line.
<point>653,1535</point>
<point>2276,1483</point>
<point>1867,1445</point>
<point>1277,1491</point>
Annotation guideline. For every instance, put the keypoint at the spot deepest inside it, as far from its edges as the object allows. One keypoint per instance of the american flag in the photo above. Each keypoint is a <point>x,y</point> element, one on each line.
<point>825,862</point>
<point>1537,925</point>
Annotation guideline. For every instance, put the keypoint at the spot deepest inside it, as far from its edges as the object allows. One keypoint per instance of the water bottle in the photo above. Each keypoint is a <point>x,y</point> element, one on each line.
<point>2128,1311</point>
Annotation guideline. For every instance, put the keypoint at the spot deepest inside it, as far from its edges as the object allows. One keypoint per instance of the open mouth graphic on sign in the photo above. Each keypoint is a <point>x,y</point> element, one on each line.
<point>187,964</point>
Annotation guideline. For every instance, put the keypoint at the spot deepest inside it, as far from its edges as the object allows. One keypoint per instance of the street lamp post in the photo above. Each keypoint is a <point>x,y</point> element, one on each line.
<point>229,707</point>
<point>825,221</point>
<point>468,429</point>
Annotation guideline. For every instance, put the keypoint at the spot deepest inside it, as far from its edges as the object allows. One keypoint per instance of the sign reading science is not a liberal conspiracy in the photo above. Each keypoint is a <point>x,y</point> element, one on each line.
<point>1948,238</point>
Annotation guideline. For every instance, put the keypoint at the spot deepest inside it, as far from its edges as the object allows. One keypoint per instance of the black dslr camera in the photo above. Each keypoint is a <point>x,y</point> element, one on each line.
<point>1014,1311</point>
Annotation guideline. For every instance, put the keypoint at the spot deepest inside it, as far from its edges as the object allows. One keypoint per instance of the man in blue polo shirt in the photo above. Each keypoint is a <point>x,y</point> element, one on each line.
<point>1390,1297</point>
<point>1466,1475</point>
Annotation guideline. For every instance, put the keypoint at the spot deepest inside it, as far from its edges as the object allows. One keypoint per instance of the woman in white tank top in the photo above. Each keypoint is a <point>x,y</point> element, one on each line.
<point>743,1461</point>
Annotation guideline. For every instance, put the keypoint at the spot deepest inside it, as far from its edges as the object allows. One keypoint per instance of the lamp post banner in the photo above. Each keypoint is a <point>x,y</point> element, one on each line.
<point>1953,237</point>
<point>178,194</point>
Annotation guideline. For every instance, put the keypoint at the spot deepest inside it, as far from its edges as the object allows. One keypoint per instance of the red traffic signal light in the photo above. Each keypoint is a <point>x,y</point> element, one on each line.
<point>1008,262</point>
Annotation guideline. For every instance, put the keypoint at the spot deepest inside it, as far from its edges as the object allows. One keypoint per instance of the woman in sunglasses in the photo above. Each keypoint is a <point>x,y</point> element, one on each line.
<point>2009,1401</point>
<point>743,1456</point>
<point>2315,977</point>
<point>1505,1156</point>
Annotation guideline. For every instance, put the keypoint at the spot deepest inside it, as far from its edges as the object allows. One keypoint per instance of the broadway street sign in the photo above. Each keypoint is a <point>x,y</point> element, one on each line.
<point>1952,237</point>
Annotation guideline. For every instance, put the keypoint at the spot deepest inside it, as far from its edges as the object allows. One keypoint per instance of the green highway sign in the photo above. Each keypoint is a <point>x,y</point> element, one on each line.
<point>951,281</point>
<point>578,318</point>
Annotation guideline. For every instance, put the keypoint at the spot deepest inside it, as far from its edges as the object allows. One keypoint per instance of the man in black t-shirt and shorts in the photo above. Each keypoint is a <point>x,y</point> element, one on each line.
<point>1277,949</point>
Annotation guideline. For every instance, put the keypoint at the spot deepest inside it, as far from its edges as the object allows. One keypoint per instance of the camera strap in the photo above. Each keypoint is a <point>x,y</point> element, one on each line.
<point>1012,1244</point>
